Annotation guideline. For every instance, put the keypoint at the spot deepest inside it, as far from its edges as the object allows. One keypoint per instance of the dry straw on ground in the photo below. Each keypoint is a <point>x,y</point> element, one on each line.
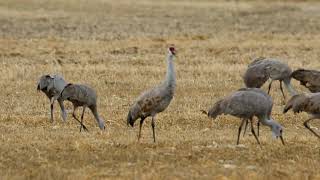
<point>119,49</point>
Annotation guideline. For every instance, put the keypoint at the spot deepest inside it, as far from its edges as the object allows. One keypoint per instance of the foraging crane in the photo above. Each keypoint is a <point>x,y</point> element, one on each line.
<point>52,86</point>
<point>308,78</point>
<point>262,69</point>
<point>246,104</point>
<point>309,103</point>
<point>260,91</point>
<point>81,95</point>
<point>155,100</point>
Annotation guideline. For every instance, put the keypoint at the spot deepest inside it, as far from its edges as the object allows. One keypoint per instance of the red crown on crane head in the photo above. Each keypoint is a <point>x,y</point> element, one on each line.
<point>172,49</point>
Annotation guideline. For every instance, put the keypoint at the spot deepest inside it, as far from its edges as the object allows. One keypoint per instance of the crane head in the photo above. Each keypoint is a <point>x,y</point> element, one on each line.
<point>172,50</point>
<point>277,130</point>
<point>44,82</point>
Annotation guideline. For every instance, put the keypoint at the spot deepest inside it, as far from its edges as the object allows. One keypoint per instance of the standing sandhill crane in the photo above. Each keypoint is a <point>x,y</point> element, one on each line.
<point>52,86</point>
<point>246,104</point>
<point>260,91</point>
<point>309,103</point>
<point>308,78</point>
<point>81,95</point>
<point>155,100</point>
<point>262,69</point>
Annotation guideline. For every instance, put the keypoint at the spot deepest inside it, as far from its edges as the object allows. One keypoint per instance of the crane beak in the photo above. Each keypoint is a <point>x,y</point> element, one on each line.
<point>38,87</point>
<point>130,121</point>
<point>204,112</point>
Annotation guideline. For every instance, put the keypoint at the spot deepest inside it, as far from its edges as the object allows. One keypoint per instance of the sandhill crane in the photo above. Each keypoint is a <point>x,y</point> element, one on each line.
<point>246,104</point>
<point>262,69</point>
<point>52,86</point>
<point>260,91</point>
<point>309,103</point>
<point>308,78</point>
<point>82,95</point>
<point>155,100</point>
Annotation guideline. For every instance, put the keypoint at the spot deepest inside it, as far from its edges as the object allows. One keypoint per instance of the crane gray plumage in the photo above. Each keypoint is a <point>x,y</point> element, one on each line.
<point>82,96</point>
<point>309,103</point>
<point>245,104</point>
<point>52,86</point>
<point>155,100</point>
<point>270,101</point>
<point>308,78</point>
<point>262,69</point>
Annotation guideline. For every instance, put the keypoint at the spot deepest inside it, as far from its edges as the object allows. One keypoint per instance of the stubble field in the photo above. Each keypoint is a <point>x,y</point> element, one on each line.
<point>119,48</point>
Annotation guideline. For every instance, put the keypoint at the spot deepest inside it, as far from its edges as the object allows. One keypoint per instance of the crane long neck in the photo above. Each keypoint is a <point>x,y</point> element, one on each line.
<point>269,122</point>
<point>289,87</point>
<point>170,80</point>
<point>99,120</point>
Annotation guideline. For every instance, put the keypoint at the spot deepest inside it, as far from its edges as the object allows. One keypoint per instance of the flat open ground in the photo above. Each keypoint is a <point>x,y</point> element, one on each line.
<point>119,48</point>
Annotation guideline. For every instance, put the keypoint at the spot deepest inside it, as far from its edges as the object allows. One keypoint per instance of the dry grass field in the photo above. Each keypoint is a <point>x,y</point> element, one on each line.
<point>119,48</point>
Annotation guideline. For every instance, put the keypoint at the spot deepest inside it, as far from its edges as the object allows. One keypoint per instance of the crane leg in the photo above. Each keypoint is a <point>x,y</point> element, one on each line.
<point>307,126</point>
<point>153,131</point>
<point>82,115</point>
<point>258,125</point>
<point>245,128</point>
<point>252,130</point>
<point>239,130</point>
<point>270,84</point>
<point>51,109</point>
<point>74,116</point>
<point>284,97</point>
<point>140,127</point>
